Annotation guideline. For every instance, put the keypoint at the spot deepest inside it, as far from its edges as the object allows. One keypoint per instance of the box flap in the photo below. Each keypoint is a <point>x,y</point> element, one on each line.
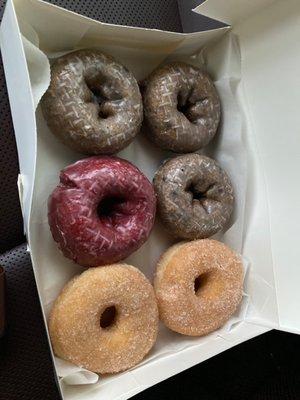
<point>154,369</point>
<point>52,22</point>
<point>22,107</point>
<point>68,30</point>
<point>270,54</point>
<point>231,11</point>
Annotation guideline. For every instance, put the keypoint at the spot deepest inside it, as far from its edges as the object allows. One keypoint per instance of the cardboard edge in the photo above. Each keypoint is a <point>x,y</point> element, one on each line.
<point>180,35</point>
<point>11,46</point>
<point>260,329</point>
<point>230,11</point>
<point>190,358</point>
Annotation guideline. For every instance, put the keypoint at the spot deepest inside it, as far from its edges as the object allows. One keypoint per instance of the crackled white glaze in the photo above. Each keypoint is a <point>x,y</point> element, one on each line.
<point>182,108</point>
<point>93,103</point>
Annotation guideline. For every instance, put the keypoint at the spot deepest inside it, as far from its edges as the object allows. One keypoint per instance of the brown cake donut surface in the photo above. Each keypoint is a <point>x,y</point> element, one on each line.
<point>195,197</point>
<point>181,106</point>
<point>93,103</point>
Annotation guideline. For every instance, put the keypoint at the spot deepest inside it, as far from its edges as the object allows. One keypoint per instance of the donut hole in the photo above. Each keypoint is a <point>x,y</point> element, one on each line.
<point>199,282</point>
<point>184,106</point>
<point>201,197</point>
<point>109,206</point>
<point>197,195</point>
<point>108,317</point>
<point>191,109</point>
<point>96,94</point>
<point>98,98</point>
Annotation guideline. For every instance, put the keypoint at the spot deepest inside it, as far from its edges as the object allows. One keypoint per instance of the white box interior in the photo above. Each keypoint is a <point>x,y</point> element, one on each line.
<point>257,82</point>
<point>269,43</point>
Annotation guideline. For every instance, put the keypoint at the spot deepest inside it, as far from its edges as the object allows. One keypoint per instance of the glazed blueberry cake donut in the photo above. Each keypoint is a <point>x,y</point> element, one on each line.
<point>93,103</point>
<point>102,210</point>
<point>195,196</point>
<point>198,286</point>
<point>105,320</point>
<point>181,106</point>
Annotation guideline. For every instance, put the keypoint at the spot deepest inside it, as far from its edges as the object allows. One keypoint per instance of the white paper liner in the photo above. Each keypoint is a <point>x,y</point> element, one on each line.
<point>54,270</point>
<point>71,374</point>
<point>39,70</point>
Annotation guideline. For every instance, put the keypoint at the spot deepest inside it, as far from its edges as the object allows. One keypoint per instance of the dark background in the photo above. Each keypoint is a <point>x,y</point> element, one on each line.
<point>263,368</point>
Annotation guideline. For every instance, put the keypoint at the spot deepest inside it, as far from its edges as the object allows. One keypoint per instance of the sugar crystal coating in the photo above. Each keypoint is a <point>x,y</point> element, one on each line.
<point>218,272</point>
<point>74,324</point>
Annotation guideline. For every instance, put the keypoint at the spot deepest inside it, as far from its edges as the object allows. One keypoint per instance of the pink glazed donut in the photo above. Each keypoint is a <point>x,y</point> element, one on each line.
<point>102,210</point>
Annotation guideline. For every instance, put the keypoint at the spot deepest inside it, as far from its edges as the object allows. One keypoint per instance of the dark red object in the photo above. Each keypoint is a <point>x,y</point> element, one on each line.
<point>102,210</point>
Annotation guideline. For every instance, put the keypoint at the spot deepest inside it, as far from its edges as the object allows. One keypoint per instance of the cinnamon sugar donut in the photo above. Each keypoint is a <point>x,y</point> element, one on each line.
<point>198,286</point>
<point>93,103</point>
<point>181,106</point>
<point>105,320</point>
<point>194,196</point>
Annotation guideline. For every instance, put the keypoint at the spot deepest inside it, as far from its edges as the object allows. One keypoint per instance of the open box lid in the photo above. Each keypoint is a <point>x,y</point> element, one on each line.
<point>231,11</point>
<point>269,33</point>
<point>263,83</point>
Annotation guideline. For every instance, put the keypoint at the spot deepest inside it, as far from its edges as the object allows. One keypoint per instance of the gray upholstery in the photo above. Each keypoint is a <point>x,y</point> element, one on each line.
<point>25,364</point>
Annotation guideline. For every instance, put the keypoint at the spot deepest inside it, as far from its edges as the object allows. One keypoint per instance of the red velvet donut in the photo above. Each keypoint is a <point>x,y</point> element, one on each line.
<point>102,210</point>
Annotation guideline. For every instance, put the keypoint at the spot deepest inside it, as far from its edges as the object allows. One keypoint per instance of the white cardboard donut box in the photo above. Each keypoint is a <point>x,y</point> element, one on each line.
<point>255,63</point>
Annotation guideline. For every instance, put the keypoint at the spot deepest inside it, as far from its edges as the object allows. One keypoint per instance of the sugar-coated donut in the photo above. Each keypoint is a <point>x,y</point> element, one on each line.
<point>102,210</point>
<point>93,103</point>
<point>105,320</point>
<point>198,286</point>
<point>181,106</point>
<point>195,196</point>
